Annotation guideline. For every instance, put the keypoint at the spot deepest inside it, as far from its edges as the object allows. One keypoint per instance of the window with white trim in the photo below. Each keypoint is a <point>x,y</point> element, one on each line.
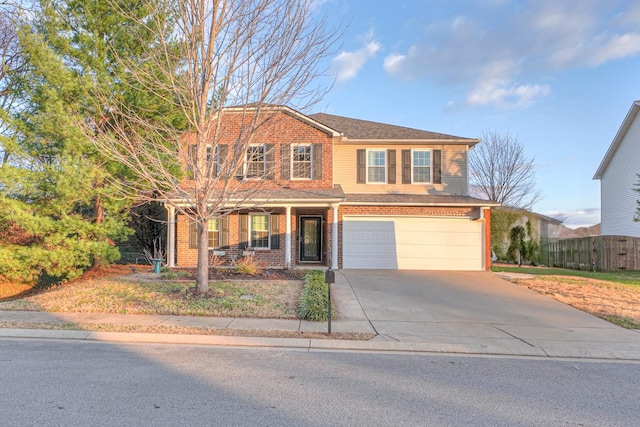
<point>213,234</point>
<point>213,229</point>
<point>259,233</point>
<point>301,161</point>
<point>376,166</point>
<point>255,163</point>
<point>421,166</point>
<point>215,168</point>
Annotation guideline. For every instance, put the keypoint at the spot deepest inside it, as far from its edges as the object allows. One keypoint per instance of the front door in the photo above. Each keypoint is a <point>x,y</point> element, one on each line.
<point>310,239</point>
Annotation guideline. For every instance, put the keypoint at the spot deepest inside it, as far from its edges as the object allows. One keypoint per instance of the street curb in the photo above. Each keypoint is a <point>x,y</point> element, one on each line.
<point>302,344</point>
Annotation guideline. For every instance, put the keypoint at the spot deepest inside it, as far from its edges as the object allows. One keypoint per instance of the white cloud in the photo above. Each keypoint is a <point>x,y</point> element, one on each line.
<point>347,64</point>
<point>504,94</point>
<point>394,63</point>
<point>494,87</point>
<point>616,48</point>
<point>502,52</point>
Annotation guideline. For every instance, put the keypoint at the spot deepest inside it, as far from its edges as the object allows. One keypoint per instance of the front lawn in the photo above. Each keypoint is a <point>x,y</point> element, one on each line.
<point>136,293</point>
<point>613,296</point>
<point>631,278</point>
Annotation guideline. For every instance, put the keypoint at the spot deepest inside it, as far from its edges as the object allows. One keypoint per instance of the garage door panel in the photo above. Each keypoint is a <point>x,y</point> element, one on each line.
<point>437,251</point>
<point>415,243</point>
<point>452,239</point>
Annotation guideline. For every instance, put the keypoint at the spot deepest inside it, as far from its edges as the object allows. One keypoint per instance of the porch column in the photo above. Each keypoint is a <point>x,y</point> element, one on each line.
<point>287,238</point>
<point>334,238</point>
<point>171,234</point>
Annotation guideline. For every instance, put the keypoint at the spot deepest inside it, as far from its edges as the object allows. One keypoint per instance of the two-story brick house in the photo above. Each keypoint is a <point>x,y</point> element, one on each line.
<point>348,193</point>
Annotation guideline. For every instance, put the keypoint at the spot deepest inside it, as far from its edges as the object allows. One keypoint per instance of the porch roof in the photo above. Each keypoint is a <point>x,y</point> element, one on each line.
<point>278,197</point>
<point>416,200</point>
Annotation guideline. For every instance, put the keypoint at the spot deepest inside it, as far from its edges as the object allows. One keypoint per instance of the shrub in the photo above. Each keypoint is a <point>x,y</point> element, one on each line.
<point>313,303</point>
<point>215,260</point>
<point>247,265</point>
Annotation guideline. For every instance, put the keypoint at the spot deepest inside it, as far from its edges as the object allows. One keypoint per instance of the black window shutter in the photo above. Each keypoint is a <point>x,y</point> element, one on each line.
<point>406,166</point>
<point>223,150</point>
<point>193,234</point>
<point>361,166</point>
<point>317,161</point>
<point>285,161</point>
<point>437,166</point>
<point>223,227</point>
<point>244,230</point>
<point>391,160</point>
<point>270,158</point>
<point>275,231</point>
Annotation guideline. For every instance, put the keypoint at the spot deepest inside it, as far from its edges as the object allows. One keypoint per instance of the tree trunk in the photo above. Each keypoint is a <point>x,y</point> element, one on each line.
<point>98,210</point>
<point>202,270</point>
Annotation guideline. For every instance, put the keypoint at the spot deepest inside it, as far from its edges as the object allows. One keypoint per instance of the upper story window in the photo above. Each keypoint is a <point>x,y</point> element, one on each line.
<point>301,161</point>
<point>212,156</point>
<point>255,164</point>
<point>376,166</point>
<point>420,166</point>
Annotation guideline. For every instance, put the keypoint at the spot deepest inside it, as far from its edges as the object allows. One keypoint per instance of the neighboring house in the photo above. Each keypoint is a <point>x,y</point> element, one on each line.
<point>618,175</point>
<point>350,193</point>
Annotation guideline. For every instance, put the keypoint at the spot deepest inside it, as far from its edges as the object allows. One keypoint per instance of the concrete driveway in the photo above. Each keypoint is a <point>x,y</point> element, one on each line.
<point>463,311</point>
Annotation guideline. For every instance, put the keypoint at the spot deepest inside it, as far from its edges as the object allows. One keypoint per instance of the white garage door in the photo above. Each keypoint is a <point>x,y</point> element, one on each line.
<point>412,243</point>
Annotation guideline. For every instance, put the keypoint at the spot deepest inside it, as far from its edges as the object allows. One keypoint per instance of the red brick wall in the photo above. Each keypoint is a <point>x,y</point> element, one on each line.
<point>278,130</point>
<point>187,257</point>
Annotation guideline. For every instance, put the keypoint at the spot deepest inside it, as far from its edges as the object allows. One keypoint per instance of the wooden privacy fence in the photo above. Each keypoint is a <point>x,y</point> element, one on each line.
<point>602,253</point>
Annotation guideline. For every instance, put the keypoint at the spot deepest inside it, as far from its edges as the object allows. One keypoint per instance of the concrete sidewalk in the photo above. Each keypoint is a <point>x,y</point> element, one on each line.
<point>425,337</point>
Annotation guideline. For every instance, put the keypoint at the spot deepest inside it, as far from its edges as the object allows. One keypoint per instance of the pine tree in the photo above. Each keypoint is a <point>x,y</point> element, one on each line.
<point>60,211</point>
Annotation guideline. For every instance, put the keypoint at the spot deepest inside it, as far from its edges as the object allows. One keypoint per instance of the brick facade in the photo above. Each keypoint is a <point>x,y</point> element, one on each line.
<point>188,257</point>
<point>286,128</point>
<point>278,131</point>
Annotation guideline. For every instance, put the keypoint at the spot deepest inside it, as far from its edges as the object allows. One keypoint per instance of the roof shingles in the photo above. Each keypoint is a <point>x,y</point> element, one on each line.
<point>364,129</point>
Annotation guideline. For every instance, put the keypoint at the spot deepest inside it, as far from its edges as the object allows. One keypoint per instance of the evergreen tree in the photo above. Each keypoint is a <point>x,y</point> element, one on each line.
<point>60,211</point>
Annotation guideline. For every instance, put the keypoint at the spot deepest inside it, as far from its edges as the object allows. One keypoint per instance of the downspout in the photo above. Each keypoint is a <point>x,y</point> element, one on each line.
<point>171,234</point>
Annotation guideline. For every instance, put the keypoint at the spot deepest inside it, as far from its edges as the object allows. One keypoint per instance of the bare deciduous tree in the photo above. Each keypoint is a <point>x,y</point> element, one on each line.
<point>11,64</point>
<point>500,171</point>
<point>213,58</point>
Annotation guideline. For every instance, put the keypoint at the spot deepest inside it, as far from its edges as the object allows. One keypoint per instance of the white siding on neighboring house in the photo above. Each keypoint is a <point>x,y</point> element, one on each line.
<point>618,198</point>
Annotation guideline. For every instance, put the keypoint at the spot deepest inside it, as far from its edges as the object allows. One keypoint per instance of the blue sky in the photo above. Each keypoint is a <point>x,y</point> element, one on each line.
<point>558,74</point>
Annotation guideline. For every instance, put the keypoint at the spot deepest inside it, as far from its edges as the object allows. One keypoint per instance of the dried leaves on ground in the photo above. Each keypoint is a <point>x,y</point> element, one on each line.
<point>614,302</point>
<point>149,329</point>
<point>133,290</point>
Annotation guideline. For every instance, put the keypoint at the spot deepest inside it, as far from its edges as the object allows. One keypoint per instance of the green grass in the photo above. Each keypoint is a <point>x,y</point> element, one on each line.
<point>260,299</point>
<point>621,321</point>
<point>621,277</point>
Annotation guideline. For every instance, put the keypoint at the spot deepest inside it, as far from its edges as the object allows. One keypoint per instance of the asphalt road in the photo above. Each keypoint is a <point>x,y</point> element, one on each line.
<point>72,383</point>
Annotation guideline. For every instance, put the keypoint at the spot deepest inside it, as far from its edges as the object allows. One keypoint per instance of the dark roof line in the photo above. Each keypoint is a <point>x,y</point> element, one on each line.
<point>364,129</point>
